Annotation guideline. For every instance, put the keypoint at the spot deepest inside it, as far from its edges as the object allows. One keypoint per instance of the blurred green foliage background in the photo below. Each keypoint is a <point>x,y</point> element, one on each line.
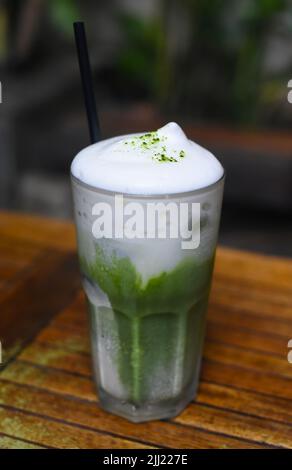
<point>204,59</point>
<point>215,66</point>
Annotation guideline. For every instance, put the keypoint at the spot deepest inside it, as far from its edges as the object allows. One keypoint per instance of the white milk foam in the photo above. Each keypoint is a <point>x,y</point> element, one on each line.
<point>161,162</point>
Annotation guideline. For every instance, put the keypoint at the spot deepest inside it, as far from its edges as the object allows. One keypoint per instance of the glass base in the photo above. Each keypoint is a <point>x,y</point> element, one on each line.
<point>147,412</point>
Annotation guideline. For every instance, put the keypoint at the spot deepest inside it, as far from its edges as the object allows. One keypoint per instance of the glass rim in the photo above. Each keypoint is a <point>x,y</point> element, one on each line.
<point>148,196</point>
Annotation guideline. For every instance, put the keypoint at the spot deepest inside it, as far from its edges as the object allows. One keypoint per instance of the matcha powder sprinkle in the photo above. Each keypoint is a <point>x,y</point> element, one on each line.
<point>152,141</point>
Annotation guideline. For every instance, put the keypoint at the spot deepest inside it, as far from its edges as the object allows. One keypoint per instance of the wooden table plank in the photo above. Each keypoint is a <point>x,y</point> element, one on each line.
<point>7,442</point>
<point>47,397</point>
<point>249,380</point>
<point>38,276</point>
<point>237,425</point>
<point>53,380</point>
<point>53,433</point>
<point>242,268</point>
<point>231,424</point>
<point>89,415</point>
<point>252,403</point>
<point>249,298</point>
<point>39,231</point>
<point>234,318</point>
<point>28,306</point>
<point>53,345</point>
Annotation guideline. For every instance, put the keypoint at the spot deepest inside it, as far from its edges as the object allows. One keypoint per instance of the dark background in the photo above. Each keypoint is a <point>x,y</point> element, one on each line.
<point>219,68</point>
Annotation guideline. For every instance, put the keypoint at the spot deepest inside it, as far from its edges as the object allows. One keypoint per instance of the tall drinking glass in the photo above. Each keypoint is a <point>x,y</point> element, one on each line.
<point>147,300</point>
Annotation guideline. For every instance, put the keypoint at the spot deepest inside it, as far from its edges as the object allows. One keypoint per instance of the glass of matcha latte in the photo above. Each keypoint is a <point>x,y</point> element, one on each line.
<point>147,212</point>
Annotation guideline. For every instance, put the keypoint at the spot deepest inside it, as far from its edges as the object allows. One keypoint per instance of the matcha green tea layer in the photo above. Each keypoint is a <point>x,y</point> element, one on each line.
<point>154,330</point>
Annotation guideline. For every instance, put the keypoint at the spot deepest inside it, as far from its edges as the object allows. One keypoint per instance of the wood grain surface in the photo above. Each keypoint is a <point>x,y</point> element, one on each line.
<point>47,397</point>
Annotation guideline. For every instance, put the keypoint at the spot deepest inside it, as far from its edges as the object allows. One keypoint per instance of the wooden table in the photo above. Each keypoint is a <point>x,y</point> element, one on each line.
<point>47,398</point>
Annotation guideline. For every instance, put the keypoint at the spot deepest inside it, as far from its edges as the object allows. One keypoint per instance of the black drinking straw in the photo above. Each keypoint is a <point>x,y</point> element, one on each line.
<point>87,83</point>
